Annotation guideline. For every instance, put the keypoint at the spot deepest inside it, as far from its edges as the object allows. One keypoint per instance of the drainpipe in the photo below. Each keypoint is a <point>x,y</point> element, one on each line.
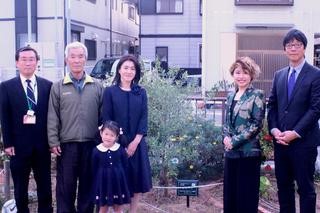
<point>29,21</point>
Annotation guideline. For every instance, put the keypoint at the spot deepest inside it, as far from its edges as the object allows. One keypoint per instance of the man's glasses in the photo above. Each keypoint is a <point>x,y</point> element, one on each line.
<point>295,45</point>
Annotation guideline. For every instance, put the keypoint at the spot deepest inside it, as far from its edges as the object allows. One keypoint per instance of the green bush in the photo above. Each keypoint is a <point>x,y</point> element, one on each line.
<point>181,144</point>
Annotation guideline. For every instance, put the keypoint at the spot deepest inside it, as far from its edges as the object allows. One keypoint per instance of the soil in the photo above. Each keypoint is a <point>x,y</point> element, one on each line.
<point>209,199</point>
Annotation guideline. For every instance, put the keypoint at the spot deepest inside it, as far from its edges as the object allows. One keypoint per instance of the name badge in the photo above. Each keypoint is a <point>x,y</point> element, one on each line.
<point>28,119</point>
<point>30,112</point>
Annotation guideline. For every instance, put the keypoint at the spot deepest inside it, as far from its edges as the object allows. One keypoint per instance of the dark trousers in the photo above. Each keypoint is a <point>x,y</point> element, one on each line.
<point>241,185</point>
<point>74,170</point>
<point>40,163</point>
<point>295,164</point>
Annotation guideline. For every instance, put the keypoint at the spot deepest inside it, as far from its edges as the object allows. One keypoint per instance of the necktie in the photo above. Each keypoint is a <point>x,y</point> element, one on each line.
<point>291,82</point>
<point>30,95</point>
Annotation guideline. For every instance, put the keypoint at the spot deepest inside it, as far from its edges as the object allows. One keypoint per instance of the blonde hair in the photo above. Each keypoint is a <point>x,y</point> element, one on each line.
<point>248,65</point>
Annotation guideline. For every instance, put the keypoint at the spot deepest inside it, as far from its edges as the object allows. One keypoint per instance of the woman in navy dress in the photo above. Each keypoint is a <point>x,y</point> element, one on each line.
<point>126,103</point>
<point>109,163</point>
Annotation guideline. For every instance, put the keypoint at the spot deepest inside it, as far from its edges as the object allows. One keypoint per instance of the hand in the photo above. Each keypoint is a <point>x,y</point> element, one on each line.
<point>56,150</point>
<point>288,136</point>
<point>131,149</point>
<point>10,151</point>
<point>278,135</point>
<point>227,143</point>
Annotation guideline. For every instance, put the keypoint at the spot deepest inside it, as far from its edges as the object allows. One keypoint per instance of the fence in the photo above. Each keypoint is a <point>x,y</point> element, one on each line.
<point>210,108</point>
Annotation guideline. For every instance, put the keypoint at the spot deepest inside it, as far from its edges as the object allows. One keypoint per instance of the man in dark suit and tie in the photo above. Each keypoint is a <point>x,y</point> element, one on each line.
<point>293,114</point>
<point>24,107</point>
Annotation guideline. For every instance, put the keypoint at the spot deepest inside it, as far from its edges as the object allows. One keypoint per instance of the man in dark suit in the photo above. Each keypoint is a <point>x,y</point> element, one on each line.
<point>294,111</point>
<point>24,107</point>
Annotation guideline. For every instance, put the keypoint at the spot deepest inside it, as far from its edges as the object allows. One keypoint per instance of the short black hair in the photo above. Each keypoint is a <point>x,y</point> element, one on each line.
<point>132,58</point>
<point>26,48</point>
<point>117,130</point>
<point>295,34</point>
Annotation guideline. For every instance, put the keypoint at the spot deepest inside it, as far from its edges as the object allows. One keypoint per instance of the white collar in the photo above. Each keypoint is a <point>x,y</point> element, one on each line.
<point>102,148</point>
<point>32,79</point>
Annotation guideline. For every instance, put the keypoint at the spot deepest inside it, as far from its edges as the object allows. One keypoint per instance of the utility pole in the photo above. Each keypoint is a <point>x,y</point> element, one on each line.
<point>67,27</point>
<point>110,17</point>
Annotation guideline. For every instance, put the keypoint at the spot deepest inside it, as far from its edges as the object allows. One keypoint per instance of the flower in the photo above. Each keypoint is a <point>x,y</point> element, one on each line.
<point>136,89</point>
<point>174,160</point>
<point>191,167</point>
<point>267,137</point>
<point>267,168</point>
<point>173,139</point>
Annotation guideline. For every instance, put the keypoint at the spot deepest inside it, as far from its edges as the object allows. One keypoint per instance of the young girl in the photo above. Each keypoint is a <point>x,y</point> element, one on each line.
<point>109,163</point>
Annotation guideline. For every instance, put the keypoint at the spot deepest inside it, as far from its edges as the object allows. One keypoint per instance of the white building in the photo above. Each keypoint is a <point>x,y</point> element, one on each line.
<point>56,23</point>
<point>172,31</point>
<point>233,28</point>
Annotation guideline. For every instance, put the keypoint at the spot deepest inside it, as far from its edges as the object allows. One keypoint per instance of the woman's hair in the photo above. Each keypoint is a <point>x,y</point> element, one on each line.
<point>114,127</point>
<point>75,44</point>
<point>136,63</point>
<point>248,65</point>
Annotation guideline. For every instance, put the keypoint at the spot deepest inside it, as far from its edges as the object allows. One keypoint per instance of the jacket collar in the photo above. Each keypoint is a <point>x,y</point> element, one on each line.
<point>243,98</point>
<point>67,79</point>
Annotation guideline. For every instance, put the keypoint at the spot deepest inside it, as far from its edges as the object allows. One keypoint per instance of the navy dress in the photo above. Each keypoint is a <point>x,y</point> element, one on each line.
<point>129,109</point>
<point>110,175</point>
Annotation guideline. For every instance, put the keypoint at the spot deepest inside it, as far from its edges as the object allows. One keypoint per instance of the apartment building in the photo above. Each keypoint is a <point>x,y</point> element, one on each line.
<point>106,27</point>
<point>171,30</point>
<point>255,28</point>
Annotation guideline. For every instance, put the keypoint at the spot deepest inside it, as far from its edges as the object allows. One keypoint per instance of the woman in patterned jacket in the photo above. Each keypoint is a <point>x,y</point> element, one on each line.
<point>244,118</point>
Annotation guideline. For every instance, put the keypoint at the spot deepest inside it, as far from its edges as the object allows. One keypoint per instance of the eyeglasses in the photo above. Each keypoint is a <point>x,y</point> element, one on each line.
<point>295,45</point>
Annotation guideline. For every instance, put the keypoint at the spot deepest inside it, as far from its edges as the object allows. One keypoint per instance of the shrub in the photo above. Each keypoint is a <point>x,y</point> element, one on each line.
<point>181,144</point>
<point>266,142</point>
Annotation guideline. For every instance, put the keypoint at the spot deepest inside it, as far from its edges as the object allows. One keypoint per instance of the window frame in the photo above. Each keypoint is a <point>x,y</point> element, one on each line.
<point>200,54</point>
<point>166,50</point>
<point>131,11</point>
<point>264,2</point>
<point>92,1</point>
<point>92,48</point>
<point>169,12</point>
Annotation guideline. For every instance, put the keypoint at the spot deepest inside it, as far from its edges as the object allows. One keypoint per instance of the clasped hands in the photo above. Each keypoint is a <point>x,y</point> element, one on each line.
<point>285,137</point>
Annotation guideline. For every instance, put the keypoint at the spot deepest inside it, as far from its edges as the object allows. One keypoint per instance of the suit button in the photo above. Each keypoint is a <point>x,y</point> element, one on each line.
<point>286,112</point>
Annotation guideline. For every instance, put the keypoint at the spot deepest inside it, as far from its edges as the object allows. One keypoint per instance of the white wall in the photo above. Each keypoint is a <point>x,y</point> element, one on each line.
<point>220,19</point>
<point>182,52</point>
<point>7,29</point>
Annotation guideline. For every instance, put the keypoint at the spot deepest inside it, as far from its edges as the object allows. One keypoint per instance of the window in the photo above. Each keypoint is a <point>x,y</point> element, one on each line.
<point>131,13</point>
<point>200,8</point>
<point>169,6</point>
<point>75,36</point>
<point>267,51</point>
<point>114,4</point>
<point>93,1</point>
<point>92,49</point>
<point>317,55</point>
<point>263,2</point>
<point>162,56</point>
<point>162,53</point>
<point>200,54</point>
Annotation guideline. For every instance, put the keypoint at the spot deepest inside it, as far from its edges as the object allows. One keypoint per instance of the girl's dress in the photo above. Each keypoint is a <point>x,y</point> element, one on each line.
<point>110,176</point>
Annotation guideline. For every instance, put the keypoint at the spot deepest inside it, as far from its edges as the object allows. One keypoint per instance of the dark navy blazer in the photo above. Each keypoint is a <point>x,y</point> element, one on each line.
<point>24,138</point>
<point>302,112</point>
